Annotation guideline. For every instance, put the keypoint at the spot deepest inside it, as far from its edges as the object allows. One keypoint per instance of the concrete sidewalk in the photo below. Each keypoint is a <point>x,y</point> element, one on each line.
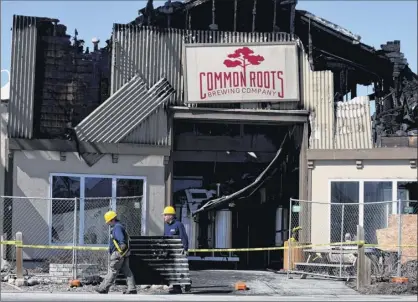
<point>116,297</point>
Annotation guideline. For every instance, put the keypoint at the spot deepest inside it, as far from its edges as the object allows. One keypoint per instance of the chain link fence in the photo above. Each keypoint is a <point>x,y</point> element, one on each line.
<point>324,238</point>
<point>65,238</point>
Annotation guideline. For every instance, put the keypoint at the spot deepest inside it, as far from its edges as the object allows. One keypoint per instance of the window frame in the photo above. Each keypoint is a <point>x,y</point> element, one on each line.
<point>361,182</point>
<point>82,177</point>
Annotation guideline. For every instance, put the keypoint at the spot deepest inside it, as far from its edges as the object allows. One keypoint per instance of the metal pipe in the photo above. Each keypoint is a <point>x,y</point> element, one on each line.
<point>274,15</point>
<point>254,14</point>
<point>235,15</point>
<point>290,239</point>
<point>75,240</point>
<point>213,11</point>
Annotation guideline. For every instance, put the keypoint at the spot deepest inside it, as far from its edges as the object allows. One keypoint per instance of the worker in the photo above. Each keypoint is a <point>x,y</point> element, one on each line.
<point>173,227</point>
<point>119,256</point>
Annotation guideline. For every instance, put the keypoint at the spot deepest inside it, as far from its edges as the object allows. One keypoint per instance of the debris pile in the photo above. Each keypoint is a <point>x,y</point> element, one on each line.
<point>386,287</point>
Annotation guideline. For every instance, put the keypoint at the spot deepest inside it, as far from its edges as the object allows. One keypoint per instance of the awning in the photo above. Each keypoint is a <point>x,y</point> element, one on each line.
<point>254,186</point>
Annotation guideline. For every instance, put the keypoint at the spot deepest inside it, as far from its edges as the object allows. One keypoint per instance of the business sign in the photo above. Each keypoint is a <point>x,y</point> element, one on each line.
<point>221,73</point>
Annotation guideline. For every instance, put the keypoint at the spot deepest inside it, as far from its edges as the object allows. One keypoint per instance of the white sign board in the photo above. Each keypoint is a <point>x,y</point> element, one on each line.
<point>221,73</point>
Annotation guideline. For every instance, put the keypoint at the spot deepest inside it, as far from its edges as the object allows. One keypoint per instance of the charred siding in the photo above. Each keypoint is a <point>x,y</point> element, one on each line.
<point>318,97</point>
<point>22,76</point>
<point>354,127</point>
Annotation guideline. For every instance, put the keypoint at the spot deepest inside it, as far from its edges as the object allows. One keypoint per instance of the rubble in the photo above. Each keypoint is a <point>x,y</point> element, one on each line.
<point>386,287</point>
<point>5,265</point>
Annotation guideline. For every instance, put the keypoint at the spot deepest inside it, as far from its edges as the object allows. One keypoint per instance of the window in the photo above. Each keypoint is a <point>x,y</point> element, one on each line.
<point>130,209</point>
<point>368,203</point>
<point>376,210</point>
<point>97,201</point>
<point>408,193</point>
<point>95,196</point>
<point>347,193</point>
<point>65,189</point>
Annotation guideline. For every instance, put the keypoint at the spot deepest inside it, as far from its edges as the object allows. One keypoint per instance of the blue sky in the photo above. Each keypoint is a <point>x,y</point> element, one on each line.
<point>375,21</point>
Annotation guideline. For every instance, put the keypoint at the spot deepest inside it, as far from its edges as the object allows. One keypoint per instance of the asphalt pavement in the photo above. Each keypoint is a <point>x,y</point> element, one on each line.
<point>117,297</point>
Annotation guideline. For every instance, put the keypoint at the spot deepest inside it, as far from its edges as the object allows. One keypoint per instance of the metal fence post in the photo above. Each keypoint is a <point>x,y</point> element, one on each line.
<point>19,256</point>
<point>289,240</point>
<point>341,239</point>
<point>75,240</point>
<point>360,258</point>
<point>3,247</point>
<point>399,238</point>
<point>110,208</point>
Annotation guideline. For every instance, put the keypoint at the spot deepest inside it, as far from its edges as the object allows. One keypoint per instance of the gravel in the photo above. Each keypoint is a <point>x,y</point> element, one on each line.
<point>204,282</point>
<point>90,288</point>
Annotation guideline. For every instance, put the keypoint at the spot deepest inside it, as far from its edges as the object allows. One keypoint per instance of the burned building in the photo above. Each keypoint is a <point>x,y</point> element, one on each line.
<point>225,109</point>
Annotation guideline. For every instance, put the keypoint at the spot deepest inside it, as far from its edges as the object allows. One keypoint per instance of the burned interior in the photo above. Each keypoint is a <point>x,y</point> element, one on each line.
<point>213,162</point>
<point>243,169</point>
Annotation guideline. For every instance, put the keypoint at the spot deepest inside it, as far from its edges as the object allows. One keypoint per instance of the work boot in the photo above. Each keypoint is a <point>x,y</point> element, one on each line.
<point>130,292</point>
<point>101,291</point>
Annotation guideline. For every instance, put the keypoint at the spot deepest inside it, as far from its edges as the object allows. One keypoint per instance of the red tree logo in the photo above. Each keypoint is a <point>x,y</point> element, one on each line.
<point>243,57</point>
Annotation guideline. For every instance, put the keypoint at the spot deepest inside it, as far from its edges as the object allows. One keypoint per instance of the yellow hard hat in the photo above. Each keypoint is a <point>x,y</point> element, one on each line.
<point>109,216</point>
<point>169,211</point>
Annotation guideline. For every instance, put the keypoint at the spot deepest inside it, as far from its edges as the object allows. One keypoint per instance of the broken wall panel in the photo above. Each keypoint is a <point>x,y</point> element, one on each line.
<point>353,124</point>
<point>156,52</point>
<point>22,76</point>
<point>112,121</point>
<point>317,96</point>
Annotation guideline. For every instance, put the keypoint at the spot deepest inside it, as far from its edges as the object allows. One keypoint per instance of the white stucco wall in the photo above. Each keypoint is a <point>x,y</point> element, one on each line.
<point>325,171</point>
<point>32,170</point>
